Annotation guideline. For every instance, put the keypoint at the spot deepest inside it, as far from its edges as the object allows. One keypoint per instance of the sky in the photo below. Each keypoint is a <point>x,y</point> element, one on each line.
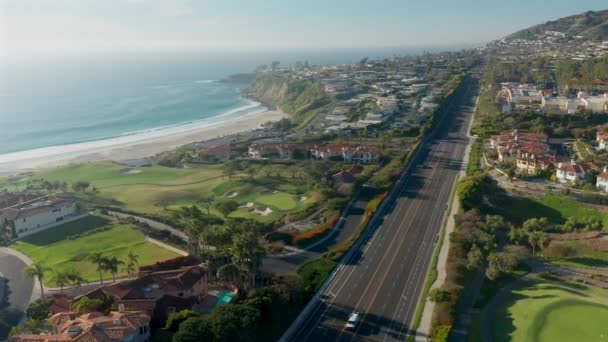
<point>29,26</point>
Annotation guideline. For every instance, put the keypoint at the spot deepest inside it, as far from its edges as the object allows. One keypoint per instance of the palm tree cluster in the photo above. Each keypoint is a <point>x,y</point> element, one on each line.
<point>112,264</point>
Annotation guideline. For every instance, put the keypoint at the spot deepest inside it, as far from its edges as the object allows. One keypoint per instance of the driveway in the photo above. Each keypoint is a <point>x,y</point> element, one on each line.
<point>20,288</point>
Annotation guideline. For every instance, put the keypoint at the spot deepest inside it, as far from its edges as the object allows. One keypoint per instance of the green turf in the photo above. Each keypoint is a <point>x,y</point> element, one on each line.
<point>586,257</point>
<point>56,249</point>
<point>555,208</point>
<point>572,320</point>
<point>545,310</point>
<point>157,187</point>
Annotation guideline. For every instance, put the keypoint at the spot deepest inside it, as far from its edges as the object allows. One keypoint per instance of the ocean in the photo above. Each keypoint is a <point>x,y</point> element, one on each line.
<point>56,101</point>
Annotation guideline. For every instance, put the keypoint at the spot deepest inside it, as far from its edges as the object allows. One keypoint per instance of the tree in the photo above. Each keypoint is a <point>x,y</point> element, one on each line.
<point>80,186</point>
<point>98,259</point>
<point>247,254</point>
<point>229,273</point>
<point>112,265</point>
<point>538,239</point>
<point>62,279</point>
<point>226,207</point>
<point>439,295</point>
<point>132,263</point>
<point>75,278</point>
<point>474,258</point>
<point>40,309</point>
<point>195,329</point>
<point>499,263</point>
<point>177,318</point>
<point>206,202</point>
<point>85,305</point>
<point>540,224</point>
<point>191,219</point>
<point>35,271</point>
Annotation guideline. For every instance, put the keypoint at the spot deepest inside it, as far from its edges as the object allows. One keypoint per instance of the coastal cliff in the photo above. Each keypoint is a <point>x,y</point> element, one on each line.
<point>302,99</point>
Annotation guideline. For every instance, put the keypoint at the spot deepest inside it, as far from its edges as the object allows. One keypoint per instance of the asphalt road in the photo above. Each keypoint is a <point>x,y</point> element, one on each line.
<point>383,279</point>
<point>283,264</point>
<point>20,288</point>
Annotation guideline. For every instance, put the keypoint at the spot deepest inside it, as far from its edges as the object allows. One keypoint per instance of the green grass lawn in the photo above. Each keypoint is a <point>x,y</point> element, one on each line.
<point>545,310</point>
<point>154,187</point>
<point>586,257</point>
<point>555,208</point>
<point>66,247</point>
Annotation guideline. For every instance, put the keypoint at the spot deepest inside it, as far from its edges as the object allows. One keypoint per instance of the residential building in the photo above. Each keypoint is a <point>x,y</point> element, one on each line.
<point>602,182</point>
<point>602,139</point>
<point>157,291</point>
<point>39,213</point>
<point>132,326</point>
<point>349,154</point>
<point>513,144</point>
<point>574,173</point>
<point>534,164</point>
<point>277,151</point>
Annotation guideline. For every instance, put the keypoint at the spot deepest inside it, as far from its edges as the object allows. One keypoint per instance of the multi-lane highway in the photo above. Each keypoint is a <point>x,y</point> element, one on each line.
<point>382,278</point>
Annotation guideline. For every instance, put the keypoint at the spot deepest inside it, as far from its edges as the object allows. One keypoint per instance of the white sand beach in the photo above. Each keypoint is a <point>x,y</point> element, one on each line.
<point>132,147</point>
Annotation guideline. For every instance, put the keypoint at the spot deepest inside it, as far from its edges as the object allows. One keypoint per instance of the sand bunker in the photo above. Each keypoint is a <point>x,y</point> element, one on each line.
<point>129,171</point>
<point>246,205</point>
<point>267,211</point>
<point>232,194</point>
<point>302,198</point>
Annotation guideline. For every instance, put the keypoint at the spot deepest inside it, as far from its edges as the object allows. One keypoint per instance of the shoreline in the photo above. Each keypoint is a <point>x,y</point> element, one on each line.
<point>121,148</point>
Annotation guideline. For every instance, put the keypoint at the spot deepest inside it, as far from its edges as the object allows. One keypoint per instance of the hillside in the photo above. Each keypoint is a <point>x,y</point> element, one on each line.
<point>300,98</point>
<point>589,25</point>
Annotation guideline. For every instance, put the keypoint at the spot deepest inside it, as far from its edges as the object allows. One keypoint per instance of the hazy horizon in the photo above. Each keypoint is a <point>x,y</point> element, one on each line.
<point>62,27</point>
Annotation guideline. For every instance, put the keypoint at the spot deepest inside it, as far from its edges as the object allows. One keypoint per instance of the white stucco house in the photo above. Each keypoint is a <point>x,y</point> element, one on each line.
<point>39,214</point>
<point>602,182</point>
<point>573,173</point>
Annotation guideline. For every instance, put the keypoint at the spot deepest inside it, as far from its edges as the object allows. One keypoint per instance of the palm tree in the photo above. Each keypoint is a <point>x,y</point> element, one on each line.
<point>111,264</point>
<point>132,263</point>
<point>98,259</point>
<point>75,278</point>
<point>35,271</point>
<point>190,217</point>
<point>62,278</point>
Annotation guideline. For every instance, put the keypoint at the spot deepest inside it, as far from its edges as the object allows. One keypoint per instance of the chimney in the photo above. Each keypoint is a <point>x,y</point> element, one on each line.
<point>121,308</point>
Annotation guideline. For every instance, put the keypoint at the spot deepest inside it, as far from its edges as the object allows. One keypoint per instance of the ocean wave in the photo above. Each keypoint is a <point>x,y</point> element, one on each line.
<point>205,81</point>
<point>249,106</point>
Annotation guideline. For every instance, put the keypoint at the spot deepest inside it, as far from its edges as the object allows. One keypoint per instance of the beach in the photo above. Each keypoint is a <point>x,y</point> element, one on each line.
<point>135,146</point>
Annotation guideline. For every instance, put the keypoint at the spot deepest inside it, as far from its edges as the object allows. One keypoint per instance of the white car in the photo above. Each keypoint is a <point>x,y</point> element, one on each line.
<point>352,320</point>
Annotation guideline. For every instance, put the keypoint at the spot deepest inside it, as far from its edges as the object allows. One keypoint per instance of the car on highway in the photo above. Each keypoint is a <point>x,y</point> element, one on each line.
<point>353,318</point>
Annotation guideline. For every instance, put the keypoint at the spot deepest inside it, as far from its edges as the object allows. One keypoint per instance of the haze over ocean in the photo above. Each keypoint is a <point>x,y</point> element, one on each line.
<point>57,101</point>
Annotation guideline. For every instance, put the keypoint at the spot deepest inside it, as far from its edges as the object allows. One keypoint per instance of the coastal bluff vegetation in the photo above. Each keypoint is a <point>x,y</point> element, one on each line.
<point>302,99</point>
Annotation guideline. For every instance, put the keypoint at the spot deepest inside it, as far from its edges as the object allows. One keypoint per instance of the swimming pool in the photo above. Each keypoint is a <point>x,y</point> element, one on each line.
<point>223,298</point>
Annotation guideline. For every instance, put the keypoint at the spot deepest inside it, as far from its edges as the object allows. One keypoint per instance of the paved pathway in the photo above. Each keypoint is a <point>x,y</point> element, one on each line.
<point>23,290</point>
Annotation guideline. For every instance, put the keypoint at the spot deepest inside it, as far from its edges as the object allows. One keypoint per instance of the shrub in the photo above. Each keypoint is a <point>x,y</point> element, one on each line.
<point>439,295</point>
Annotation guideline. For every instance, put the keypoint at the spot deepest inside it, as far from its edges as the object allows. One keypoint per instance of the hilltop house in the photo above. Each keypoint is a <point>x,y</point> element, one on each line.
<point>132,326</point>
<point>573,173</point>
<point>39,214</point>
<point>349,154</point>
<point>514,144</point>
